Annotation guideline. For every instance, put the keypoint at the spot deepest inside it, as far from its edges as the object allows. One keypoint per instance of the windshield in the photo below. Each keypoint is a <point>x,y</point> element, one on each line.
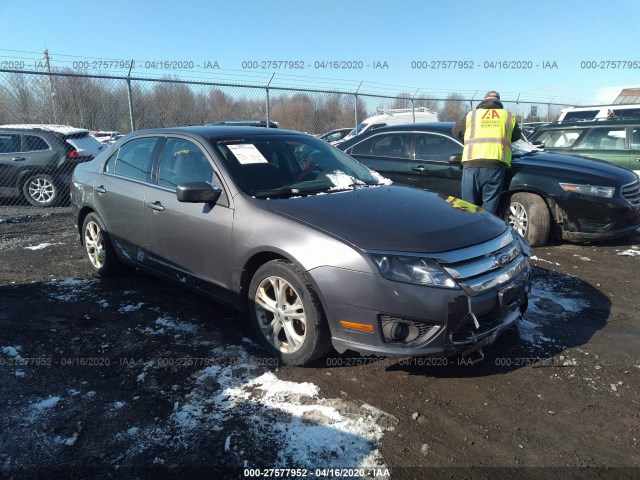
<point>278,166</point>
<point>356,130</point>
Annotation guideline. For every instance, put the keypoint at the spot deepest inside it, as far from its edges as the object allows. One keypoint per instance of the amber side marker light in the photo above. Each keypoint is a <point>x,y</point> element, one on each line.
<point>357,326</point>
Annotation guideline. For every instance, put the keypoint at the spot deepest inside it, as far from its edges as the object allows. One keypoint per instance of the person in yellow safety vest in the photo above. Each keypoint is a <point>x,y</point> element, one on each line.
<point>487,133</point>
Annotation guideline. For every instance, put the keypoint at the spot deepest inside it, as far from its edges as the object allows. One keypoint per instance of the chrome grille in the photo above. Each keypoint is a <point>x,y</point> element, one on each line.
<point>631,191</point>
<point>486,266</point>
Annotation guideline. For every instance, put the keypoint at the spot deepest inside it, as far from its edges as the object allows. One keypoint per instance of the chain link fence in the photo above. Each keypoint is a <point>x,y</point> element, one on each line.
<point>35,173</point>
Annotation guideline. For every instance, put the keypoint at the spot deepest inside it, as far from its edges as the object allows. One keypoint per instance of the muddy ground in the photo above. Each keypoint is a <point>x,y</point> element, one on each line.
<point>133,377</point>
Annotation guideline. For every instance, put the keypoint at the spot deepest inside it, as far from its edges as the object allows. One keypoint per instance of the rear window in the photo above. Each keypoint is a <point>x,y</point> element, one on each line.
<point>87,146</point>
<point>580,115</point>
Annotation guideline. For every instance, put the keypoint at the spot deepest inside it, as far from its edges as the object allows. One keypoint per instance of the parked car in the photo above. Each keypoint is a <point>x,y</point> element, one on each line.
<point>599,112</point>
<point>319,251</point>
<point>392,116</point>
<point>36,161</point>
<point>106,137</point>
<point>578,199</point>
<point>615,141</point>
<point>335,135</point>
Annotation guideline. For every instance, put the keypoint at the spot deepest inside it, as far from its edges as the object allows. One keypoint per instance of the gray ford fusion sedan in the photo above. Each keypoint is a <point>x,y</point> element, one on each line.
<point>319,250</point>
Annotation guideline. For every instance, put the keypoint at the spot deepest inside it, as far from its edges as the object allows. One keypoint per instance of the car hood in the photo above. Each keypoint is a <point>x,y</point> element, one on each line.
<point>394,218</point>
<point>568,167</point>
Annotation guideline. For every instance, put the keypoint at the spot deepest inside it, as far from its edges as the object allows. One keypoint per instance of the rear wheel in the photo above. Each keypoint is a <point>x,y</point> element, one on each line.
<point>529,215</point>
<point>286,314</point>
<point>41,190</point>
<point>97,244</point>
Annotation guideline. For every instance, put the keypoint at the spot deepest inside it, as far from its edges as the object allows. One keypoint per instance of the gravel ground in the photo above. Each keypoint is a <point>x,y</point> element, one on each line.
<point>133,377</point>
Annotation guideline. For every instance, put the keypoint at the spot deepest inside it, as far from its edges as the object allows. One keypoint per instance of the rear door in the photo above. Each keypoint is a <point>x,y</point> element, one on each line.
<point>121,189</point>
<point>609,143</point>
<point>431,169</point>
<point>634,137</point>
<point>387,153</point>
<point>190,242</point>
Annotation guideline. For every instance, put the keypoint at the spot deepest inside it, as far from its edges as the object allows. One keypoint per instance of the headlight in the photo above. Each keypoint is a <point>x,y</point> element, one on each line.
<point>416,270</point>
<point>595,190</point>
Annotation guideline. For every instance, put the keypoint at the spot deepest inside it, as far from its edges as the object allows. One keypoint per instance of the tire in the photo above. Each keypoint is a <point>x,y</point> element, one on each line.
<point>529,215</point>
<point>41,190</point>
<point>291,324</point>
<point>97,244</point>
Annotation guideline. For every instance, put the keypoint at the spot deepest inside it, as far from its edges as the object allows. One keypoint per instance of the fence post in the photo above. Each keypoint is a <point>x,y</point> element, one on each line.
<point>355,107</point>
<point>268,98</point>
<point>130,96</point>
<point>53,93</point>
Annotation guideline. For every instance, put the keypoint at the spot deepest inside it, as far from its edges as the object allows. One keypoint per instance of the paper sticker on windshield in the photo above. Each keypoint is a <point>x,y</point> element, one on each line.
<point>247,153</point>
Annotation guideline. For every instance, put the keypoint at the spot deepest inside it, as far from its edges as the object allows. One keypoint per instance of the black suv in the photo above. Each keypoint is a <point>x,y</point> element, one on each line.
<point>615,141</point>
<point>37,160</point>
<point>576,198</point>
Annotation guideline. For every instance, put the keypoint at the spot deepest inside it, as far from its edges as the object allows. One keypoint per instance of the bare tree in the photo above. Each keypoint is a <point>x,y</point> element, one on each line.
<point>454,108</point>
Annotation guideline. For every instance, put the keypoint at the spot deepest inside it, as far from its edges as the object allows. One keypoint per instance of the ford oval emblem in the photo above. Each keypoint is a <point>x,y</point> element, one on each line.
<point>502,259</point>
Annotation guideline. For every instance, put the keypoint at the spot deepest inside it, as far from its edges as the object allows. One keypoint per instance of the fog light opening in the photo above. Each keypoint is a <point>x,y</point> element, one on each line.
<point>400,332</point>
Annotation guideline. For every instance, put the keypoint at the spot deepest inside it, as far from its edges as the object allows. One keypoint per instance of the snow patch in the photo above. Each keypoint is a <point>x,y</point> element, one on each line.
<point>131,308</point>
<point>42,246</point>
<point>632,252</point>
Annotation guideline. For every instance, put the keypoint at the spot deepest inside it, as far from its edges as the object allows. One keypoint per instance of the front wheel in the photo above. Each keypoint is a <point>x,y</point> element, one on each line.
<point>286,314</point>
<point>529,215</point>
<point>98,247</point>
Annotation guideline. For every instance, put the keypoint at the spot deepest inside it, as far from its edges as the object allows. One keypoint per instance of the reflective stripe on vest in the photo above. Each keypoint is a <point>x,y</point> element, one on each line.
<point>488,139</point>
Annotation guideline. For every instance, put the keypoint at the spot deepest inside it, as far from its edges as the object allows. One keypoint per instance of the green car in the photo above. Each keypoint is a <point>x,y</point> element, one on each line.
<point>614,141</point>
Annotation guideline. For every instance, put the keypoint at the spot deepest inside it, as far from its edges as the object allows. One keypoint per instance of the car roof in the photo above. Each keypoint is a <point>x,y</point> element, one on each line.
<point>219,131</point>
<point>592,123</point>
<point>63,129</point>
<point>419,126</point>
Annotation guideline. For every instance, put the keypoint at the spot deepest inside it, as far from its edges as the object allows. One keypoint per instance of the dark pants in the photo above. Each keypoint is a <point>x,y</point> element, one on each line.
<point>482,186</point>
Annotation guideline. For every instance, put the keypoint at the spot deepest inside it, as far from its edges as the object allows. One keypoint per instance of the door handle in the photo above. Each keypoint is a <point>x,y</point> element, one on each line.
<point>18,159</point>
<point>101,189</point>
<point>637,159</point>
<point>157,206</point>
<point>419,168</point>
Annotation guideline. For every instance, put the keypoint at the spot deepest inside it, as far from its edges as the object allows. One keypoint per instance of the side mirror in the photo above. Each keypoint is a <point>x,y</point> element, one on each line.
<point>198,192</point>
<point>455,158</point>
<point>538,144</point>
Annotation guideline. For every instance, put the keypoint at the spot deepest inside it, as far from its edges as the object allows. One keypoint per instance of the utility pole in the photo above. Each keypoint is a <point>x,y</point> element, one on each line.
<point>53,94</point>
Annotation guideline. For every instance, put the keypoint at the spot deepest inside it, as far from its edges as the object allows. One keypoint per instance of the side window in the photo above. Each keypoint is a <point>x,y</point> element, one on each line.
<point>390,145</point>
<point>635,138</point>
<point>134,158</point>
<point>435,147</point>
<point>559,138</point>
<point>362,148</point>
<point>34,143</point>
<point>182,161</point>
<point>9,143</point>
<point>604,139</point>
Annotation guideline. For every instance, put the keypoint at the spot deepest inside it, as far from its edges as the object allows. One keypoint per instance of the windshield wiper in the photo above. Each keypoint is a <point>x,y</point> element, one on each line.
<point>283,192</point>
<point>286,192</point>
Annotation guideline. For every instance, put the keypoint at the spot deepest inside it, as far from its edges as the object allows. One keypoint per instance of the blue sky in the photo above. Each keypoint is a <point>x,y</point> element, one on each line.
<point>232,32</point>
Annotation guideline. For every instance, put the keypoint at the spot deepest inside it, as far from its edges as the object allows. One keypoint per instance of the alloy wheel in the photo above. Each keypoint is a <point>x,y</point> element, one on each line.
<point>41,190</point>
<point>281,314</point>
<point>518,218</point>
<point>94,244</point>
